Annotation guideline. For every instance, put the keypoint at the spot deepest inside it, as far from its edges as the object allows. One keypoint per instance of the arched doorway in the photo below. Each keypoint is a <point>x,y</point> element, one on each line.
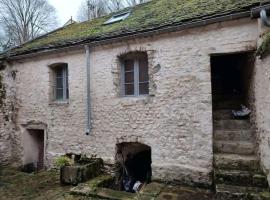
<point>133,161</point>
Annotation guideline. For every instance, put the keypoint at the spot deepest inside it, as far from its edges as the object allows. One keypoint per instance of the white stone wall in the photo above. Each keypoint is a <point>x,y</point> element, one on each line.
<point>175,120</point>
<point>262,103</point>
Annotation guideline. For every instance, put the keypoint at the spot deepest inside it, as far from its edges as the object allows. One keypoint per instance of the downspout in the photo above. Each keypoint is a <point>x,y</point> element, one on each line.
<point>88,102</point>
<point>264,18</point>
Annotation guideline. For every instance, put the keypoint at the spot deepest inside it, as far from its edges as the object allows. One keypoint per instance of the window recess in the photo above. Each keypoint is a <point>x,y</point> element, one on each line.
<point>134,76</point>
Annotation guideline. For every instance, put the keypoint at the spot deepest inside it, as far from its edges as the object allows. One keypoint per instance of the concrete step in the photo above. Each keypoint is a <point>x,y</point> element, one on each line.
<point>225,114</point>
<point>235,135</point>
<point>222,114</point>
<point>241,178</point>
<point>236,162</point>
<point>228,104</point>
<point>232,192</point>
<point>234,147</point>
<point>232,124</point>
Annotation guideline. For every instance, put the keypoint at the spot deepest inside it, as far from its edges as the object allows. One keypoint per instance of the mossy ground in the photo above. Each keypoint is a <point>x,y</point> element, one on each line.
<point>45,185</point>
<point>15,185</point>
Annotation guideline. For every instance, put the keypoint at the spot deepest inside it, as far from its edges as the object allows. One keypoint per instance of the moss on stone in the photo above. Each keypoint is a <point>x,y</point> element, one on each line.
<point>101,181</point>
<point>153,14</point>
<point>264,49</point>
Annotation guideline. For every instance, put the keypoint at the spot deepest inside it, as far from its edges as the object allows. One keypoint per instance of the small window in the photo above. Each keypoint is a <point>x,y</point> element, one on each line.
<point>135,78</point>
<point>60,86</point>
<point>117,18</point>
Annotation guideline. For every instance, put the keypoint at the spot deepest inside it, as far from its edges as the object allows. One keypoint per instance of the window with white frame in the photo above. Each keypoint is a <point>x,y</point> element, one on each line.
<point>134,75</point>
<point>60,82</point>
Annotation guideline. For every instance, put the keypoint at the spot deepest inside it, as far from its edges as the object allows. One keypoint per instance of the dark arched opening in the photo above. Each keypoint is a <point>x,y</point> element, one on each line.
<point>133,161</point>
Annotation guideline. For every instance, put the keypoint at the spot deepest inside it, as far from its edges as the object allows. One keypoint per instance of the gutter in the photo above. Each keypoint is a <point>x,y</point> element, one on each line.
<point>253,13</point>
<point>88,87</point>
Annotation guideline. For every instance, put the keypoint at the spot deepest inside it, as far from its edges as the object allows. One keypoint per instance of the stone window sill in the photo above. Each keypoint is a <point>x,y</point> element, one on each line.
<point>59,103</point>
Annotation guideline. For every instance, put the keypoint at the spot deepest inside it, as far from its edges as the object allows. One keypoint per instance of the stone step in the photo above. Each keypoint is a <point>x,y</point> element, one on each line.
<point>236,162</point>
<point>232,192</point>
<point>227,97</point>
<point>235,135</point>
<point>228,104</point>
<point>241,178</point>
<point>222,114</point>
<point>234,147</point>
<point>231,124</point>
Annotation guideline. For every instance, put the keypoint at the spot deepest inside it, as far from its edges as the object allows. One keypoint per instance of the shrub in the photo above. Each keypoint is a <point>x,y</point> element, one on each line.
<point>62,161</point>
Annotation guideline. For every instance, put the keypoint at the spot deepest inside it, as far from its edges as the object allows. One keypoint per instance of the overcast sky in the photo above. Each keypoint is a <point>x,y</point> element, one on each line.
<point>66,8</point>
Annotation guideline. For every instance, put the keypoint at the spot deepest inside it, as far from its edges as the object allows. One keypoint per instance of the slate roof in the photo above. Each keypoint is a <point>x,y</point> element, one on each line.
<point>153,15</point>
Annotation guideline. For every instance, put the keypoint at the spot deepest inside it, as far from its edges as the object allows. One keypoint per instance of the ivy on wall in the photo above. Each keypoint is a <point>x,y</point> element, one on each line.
<point>264,49</point>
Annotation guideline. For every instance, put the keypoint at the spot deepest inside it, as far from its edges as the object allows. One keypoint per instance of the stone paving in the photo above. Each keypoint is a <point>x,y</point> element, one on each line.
<point>15,185</point>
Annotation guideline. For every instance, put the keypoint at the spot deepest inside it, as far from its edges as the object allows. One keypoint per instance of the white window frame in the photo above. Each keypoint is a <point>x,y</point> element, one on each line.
<point>136,80</point>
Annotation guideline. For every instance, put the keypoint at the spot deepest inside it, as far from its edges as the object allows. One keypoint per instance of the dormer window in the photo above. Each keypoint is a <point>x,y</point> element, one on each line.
<point>117,18</point>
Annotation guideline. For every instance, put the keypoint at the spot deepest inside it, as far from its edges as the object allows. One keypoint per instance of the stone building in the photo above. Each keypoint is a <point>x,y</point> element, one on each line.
<point>164,76</point>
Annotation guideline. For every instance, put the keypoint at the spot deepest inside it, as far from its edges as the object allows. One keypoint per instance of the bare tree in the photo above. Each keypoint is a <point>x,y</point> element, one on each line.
<point>134,2</point>
<point>115,5</point>
<point>90,9</point>
<point>23,20</point>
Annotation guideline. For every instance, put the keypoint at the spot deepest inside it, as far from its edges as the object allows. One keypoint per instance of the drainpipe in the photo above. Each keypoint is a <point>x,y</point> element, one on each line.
<point>264,18</point>
<point>88,106</point>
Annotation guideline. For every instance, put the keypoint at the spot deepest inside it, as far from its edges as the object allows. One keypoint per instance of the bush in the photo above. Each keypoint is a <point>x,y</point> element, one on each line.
<point>62,161</point>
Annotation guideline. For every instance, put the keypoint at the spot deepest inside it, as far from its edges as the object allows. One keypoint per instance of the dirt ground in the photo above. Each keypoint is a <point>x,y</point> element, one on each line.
<point>16,185</point>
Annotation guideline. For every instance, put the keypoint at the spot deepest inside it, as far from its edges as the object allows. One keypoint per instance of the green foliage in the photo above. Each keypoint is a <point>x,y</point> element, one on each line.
<point>62,161</point>
<point>154,14</point>
<point>264,50</point>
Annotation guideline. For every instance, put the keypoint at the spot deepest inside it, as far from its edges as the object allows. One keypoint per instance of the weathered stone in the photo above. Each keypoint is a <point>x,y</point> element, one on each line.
<point>242,178</point>
<point>80,173</point>
<point>152,189</point>
<point>234,161</point>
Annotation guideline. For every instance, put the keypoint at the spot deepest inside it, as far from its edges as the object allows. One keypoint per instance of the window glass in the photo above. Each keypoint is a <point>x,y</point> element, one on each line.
<point>143,70</point>
<point>144,88</point>
<point>135,75</point>
<point>129,89</point>
<point>61,82</point>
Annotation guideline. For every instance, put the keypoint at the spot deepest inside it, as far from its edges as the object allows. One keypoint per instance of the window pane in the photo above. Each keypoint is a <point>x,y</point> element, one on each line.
<point>144,88</point>
<point>129,89</point>
<point>59,94</point>
<point>143,70</point>
<point>129,65</point>
<point>67,97</point>
<point>129,77</point>
<point>59,82</point>
<point>59,72</point>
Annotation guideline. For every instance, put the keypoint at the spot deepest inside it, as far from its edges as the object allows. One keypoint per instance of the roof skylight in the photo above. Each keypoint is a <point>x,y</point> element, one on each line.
<point>118,18</point>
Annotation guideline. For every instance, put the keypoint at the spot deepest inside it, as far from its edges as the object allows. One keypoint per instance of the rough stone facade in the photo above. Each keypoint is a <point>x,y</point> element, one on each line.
<point>8,111</point>
<point>175,120</point>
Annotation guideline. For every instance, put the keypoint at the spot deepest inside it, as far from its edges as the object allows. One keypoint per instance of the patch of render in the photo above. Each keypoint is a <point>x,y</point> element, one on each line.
<point>8,115</point>
<point>175,120</point>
